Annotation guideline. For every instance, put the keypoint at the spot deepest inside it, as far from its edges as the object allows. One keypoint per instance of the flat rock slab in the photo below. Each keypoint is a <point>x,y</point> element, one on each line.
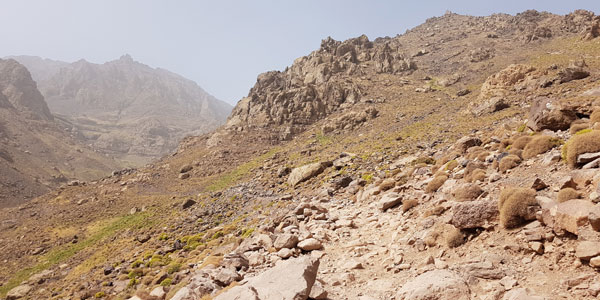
<point>305,172</point>
<point>587,249</point>
<point>291,279</point>
<point>473,214</point>
<point>572,214</point>
<point>389,200</point>
<point>436,284</point>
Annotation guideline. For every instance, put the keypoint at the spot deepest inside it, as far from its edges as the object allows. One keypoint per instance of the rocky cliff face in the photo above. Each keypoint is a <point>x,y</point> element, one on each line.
<point>35,153</point>
<point>336,76</point>
<point>21,91</point>
<point>126,108</point>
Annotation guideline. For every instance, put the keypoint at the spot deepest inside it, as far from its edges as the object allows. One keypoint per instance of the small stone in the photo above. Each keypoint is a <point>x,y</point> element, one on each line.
<point>587,249</point>
<point>158,292</point>
<point>143,238</point>
<point>389,200</point>
<point>353,264</point>
<point>285,253</point>
<point>18,292</point>
<point>285,240</point>
<point>186,168</point>
<point>188,203</point>
<point>404,266</point>
<point>184,175</point>
<point>508,282</point>
<point>310,244</point>
<point>538,185</point>
<point>595,262</point>
<point>537,247</point>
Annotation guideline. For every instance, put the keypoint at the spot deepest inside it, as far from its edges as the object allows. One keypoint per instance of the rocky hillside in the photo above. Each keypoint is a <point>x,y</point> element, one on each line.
<point>126,108</point>
<point>36,155</point>
<point>458,160</point>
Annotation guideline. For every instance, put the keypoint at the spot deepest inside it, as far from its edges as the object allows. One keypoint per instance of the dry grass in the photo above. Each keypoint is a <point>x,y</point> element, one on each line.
<point>540,144</point>
<point>437,210</point>
<point>387,184</point>
<point>517,152</point>
<point>454,237</point>
<point>408,204</point>
<point>513,204</point>
<point>476,175</point>
<point>521,142</point>
<point>509,162</point>
<point>588,142</point>
<point>435,184</point>
<point>451,165</point>
<point>576,127</point>
<point>567,194</point>
<point>467,192</point>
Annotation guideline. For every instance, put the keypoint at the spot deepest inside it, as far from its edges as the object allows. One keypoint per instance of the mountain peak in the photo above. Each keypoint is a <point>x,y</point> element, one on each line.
<point>126,58</point>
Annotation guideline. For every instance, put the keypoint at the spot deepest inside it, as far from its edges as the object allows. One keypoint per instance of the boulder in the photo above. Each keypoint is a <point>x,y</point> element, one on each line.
<point>18,292</point>
<point>306,172</point>
<point>435,285</point>
<point>545,113</point>
<point>389,200</point>
<point>594,218</point>
<point>587,157</point>
<point>473,214</point>
<point>310,244</point>
<point>285,240</point>
<point>290,279</point>
<point>521,294</point>
<point>572,73</point>
<point>225,276</point>
<point>587,249</point>
<point>467,142</point>
<point>572,214</point>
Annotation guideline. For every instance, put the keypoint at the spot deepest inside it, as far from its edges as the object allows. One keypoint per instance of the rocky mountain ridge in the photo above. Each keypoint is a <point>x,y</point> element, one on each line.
<point>471,175</point>
<point>126,108</point>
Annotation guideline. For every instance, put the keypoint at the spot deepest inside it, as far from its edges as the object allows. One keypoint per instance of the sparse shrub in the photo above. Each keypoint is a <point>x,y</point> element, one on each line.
<point>467,192</point>
<point>387,184</point>
<point>522,127</point>
<point>483,155</point>
<point>506,142</point>
<point>451,165</point>
<point>408,204</point>
<point>136,273</point>
<point>434,211</point>
<point>132,282</point>
<point>173,268</point>
<point>247,232</point>
<point>423,160</point>
<point>166,282</point>
<point>137,264</point>
<point>576,127</point>
<point>540,144</point>
<point>159,260</point>
<point>567,194</point>
<point>435,184</point>
<point>516,152</point>
<point>513,205</point>
<point>368,177</point>
<point>163,237</point>
<point>521,142</point>
<point>454,237</point>
<point>583,142</point>
<point>509,162</point>
<point>217,235</point>
<point>99,295</point>
<point>477,174</point>
<point>472,166</point>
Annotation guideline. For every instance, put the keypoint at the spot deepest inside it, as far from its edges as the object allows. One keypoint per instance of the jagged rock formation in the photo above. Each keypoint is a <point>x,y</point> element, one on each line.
<point>316,85</point>
<point>35,153</point>
<point>126,108</point>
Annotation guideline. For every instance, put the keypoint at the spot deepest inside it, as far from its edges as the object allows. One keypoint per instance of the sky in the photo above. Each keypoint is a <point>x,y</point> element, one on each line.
<point>222,45</point>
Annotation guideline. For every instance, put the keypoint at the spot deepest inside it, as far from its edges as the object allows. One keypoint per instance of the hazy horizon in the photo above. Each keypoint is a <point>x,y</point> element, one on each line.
<point>221,46</point>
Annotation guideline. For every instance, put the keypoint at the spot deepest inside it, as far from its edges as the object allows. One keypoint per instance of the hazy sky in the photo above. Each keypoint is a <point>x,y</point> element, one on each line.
<point>222,45</point>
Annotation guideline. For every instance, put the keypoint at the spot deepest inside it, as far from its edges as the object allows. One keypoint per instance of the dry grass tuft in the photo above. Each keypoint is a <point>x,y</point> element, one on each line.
<point>567,194</point>
<point>521,142</point>
<point>434,211</point>
<point>576,127</point>
<point>513,206</point>
<point>454,237</point>
<point>408,204</point>
<point>509,162</point>
<point>476,175</point>
<point>435,184</point>
<point>540,144</point>
<point>587,142</point>
<point>467,192</point>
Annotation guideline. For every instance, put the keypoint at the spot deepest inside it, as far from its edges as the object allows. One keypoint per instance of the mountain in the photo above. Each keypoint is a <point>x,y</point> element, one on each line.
<point>126,108</point>
<point>36,154</point>
<point>458,160</point>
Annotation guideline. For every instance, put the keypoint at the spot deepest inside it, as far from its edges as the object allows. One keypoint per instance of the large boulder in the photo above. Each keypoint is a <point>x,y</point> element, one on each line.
<point>572,214</point>
<point>291,279</point>
<point>435,285</point>
<point>587,249</point>
<point>521,294</point>
<point>466,142</point>
<point>473,214</point>
<point>306,172</point>
<point>389,200</point>
<point>546,113</point>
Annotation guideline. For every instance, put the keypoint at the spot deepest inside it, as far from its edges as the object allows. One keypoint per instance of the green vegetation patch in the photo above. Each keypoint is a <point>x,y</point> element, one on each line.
<point>63,253</point>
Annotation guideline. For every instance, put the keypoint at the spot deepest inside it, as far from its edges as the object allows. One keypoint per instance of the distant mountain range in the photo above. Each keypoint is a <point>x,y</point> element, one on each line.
<point>124,107</point>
